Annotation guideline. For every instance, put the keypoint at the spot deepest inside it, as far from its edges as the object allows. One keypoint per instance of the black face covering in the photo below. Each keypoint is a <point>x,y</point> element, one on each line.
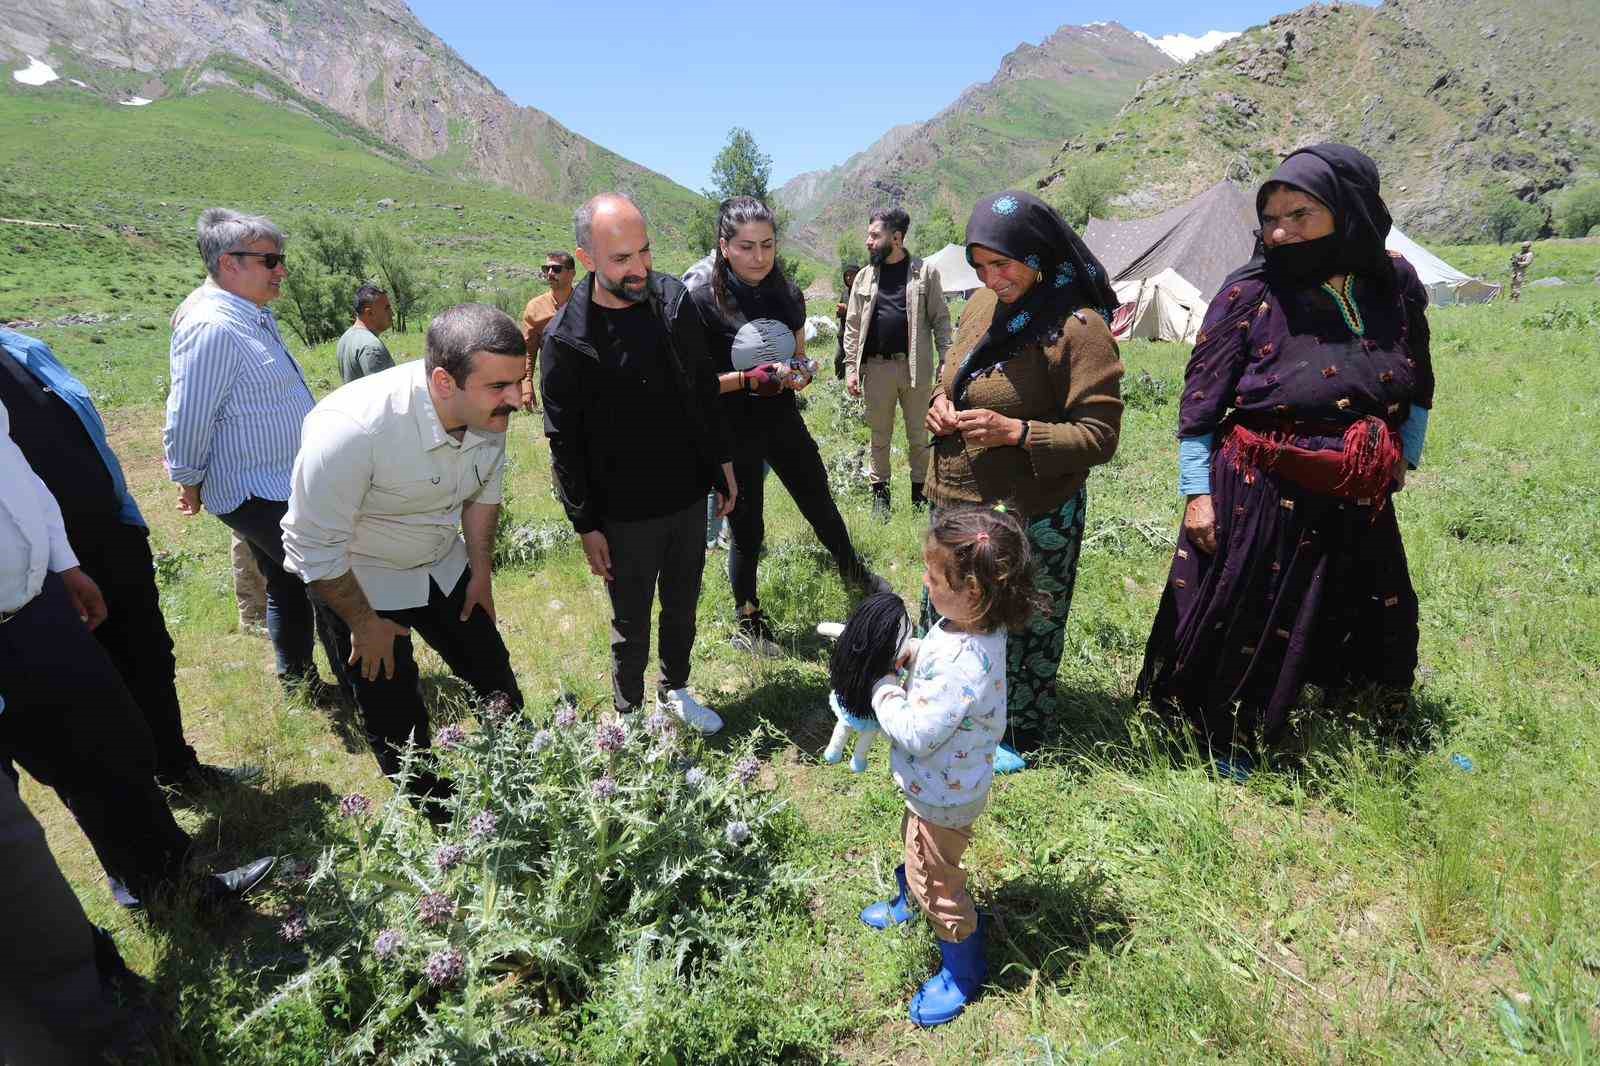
<point>1304,263</point>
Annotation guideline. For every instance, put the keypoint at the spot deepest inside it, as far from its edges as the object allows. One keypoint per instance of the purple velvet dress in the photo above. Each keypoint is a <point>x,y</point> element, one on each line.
<point>1304,587</point>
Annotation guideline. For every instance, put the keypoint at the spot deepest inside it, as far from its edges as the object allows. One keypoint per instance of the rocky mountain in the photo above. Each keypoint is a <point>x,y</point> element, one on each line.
<point>1460,102</point>
<point>992,134</point>
<point>366,64</point>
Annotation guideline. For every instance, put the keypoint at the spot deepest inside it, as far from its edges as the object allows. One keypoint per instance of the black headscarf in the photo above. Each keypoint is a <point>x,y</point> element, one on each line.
<point>1346,180</point>
<point>1026,229</point>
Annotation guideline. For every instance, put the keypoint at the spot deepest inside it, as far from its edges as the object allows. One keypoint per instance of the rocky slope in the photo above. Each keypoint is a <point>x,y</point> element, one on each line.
<point>1459,101</point>
<point>369,62</point>
<point>992,134</point>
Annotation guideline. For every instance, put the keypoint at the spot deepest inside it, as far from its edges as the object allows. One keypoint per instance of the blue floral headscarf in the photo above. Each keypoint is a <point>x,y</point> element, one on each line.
<point>1026,229</point>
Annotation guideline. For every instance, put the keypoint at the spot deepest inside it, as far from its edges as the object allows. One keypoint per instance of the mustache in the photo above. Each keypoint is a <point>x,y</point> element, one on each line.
<point>502,410</point>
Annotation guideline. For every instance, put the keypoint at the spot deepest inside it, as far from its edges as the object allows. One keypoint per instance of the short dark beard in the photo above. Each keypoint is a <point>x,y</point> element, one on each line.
<point>880,256</point>
<point>621,291</point>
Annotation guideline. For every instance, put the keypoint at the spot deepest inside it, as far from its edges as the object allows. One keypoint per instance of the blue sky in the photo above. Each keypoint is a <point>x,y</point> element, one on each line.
<point>662,82</point>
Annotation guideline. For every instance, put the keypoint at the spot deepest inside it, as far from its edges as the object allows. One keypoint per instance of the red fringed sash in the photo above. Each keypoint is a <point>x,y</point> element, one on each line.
<point>1363,471</point>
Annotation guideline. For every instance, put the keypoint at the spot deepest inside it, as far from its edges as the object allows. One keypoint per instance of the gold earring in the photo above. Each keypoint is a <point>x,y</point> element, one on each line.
<point>1038,276</point>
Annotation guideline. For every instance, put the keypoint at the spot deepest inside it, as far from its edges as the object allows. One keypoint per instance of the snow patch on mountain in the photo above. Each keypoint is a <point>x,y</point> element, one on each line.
<point>36,72</point>
<point>1182,47</point>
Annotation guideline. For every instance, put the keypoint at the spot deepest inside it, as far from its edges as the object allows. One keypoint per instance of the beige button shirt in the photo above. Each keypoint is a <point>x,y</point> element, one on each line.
<point>378,487</point>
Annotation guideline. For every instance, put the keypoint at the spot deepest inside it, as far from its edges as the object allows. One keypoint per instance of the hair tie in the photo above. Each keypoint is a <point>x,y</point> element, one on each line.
<point>982,537</point>
<point>1000,508</point>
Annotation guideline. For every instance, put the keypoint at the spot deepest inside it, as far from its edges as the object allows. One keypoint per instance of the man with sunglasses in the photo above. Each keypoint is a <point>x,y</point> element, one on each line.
<point>234,409</point>
<point>558,271</point>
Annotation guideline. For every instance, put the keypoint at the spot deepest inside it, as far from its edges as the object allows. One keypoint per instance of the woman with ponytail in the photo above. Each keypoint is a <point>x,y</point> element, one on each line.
<point>754,320</point>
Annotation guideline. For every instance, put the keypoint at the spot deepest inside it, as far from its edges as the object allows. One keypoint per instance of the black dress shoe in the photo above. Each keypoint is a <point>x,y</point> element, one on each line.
<point>236,883</point>
<point>203,777</point>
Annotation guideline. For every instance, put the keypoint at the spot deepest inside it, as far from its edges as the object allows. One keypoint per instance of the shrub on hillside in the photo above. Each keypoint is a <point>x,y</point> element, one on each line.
<point>327,264</point>
<point>565,852</point>
<point>1578,209</point>
<point>1507,219</point>
<point>1086,190</point>
<point>1565,317</point>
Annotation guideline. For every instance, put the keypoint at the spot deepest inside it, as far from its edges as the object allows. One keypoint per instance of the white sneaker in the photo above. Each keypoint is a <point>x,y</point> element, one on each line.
<point>681,704</point>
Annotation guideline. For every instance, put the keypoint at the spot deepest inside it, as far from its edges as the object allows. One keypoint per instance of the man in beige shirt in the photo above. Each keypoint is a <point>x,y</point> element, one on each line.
<point>392,513</point>
<point>559,270</point>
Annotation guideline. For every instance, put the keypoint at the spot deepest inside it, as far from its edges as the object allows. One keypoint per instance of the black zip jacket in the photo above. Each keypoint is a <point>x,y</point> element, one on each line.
<point>582,442</point>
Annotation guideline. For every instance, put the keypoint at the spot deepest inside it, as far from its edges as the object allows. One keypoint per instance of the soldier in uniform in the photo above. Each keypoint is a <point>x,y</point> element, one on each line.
<point>1519,269</point>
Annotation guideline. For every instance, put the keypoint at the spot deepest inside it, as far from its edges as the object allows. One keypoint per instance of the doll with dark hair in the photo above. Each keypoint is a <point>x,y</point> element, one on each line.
<point>864,651</point>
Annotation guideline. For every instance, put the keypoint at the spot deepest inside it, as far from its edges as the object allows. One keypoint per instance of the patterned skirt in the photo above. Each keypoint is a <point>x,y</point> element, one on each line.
<point>1303,589</point>
<point>1033,656</point>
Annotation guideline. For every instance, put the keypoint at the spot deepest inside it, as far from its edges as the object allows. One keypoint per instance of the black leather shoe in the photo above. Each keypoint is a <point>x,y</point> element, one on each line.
<point>203,777</point>
<point>236,883</point>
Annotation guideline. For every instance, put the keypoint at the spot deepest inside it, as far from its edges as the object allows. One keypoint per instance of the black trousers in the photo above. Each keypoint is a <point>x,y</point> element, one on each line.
<point>669,554</point>
<point>293,615</point>
<point>117,556</point>
<point>782,441</point>
<point>391,708</point>
<point>71,723</point>
<point>53,1006</point>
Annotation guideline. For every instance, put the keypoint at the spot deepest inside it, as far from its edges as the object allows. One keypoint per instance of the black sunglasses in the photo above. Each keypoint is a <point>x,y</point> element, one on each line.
<point>553,268</point>
<point>270,260</point>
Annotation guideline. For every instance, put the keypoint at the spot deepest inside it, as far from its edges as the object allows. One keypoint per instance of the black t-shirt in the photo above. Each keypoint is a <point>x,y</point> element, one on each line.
<point>757,326</point>
<point>58,447</point>
<point>651,468</point>
<point>888,334</point>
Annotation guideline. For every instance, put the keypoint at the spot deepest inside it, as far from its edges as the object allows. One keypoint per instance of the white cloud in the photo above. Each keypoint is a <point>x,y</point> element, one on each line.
<point>35,73</point>
<point>1182,47</point>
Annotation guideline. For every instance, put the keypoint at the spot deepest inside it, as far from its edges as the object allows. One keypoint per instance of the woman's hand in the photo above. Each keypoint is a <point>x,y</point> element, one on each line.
<point>941,420</point>
<point>1200,523</point>
<point>988,429</point>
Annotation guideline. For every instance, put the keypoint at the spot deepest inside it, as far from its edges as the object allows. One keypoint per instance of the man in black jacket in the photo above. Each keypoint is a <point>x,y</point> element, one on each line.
<point>636,440</point>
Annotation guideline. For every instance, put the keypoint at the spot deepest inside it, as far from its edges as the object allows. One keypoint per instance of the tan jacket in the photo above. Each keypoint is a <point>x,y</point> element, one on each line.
<point>927,319</point>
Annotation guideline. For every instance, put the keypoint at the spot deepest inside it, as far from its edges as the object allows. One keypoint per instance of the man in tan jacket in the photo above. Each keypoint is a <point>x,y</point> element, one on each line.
<point>558,271</point>
<point>895,314</point>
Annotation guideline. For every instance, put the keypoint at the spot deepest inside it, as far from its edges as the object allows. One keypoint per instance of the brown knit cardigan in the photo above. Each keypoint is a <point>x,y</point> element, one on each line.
<point>1069,393</point>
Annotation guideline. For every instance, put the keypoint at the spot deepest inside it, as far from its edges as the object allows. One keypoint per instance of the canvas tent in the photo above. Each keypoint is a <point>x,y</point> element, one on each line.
<point>1446,285</point>
<point>955,273</point>
<point>1202,240</point>
<point>1163,307</point>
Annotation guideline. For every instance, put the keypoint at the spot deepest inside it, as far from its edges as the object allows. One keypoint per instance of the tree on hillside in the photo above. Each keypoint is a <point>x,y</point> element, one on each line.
<point>741,168</point>
<point>327,264</point>
<point>1578,209</point>
<point>395,261</point>
<point>934,232</point>
<point>1085,190</point>
<point>1507,219</point>
<point>852,248</point>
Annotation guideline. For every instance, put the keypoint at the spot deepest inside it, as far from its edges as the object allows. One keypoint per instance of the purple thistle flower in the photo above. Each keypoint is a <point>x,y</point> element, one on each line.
<point>436,909</point>
<point>299,871</point>
<point>542,740</point>
<point>449,857</point>
<point>610,736</point>
<point>450,737</point>
<point>566,717</point>
<point>695,778</point>
<point>747,769</point>
<point>497,708</point>
<point>660,724</point>
<point>355,805</point>
<point>388,944</point>
<point>294,928</point>
<point>445,967</point>
<point>483,825</point>
<point>603,788</point>
<point>737,833</point>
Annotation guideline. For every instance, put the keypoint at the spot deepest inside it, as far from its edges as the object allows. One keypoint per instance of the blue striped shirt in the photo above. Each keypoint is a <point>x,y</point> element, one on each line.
<point>236,403</point>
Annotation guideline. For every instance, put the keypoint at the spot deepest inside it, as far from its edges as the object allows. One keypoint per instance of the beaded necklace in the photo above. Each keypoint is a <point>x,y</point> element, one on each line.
<point>1347,306</point>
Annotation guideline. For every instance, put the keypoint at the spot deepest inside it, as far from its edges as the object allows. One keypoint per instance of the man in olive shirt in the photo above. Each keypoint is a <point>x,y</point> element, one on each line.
<point>559,270</point>
<point>360,351</point>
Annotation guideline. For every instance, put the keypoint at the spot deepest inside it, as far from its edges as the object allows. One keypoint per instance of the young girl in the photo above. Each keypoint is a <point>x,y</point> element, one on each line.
<point>944,726</point>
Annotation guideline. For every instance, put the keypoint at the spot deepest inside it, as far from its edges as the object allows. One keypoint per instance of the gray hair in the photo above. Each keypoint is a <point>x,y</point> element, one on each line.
<point>583,218</point>
<point>221,231</point>
<point>460,331</point>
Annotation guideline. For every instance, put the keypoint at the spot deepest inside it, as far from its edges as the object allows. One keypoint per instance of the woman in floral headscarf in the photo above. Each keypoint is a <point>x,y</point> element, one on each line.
<point>1304,403</point>
<point>1027,402</point>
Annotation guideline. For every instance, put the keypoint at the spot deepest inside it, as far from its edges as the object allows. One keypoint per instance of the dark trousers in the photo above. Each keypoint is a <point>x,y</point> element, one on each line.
<point>53,1007</point>
<point>668,553</point>
<point>391,708</point>
<point>783,441</point>
<point>71,723</point>
<point>117,556</point>
<point>292,616</point>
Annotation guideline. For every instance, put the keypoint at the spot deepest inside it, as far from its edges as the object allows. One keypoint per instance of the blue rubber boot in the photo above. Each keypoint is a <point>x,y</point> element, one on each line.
<point>1007,760</point>
<point>896,911</point>
<point>946,994</point>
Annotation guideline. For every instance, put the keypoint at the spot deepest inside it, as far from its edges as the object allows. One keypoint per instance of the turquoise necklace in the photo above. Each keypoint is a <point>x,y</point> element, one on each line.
<point>1347,306</point>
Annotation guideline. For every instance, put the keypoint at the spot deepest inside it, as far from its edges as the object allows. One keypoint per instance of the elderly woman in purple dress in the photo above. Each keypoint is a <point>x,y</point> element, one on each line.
<point>1304,403</point>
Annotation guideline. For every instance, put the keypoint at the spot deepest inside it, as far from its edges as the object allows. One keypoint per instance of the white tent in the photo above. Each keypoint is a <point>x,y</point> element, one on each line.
<point>1163,307</point>
<point>1445,284</point>
<point>955,273</point>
